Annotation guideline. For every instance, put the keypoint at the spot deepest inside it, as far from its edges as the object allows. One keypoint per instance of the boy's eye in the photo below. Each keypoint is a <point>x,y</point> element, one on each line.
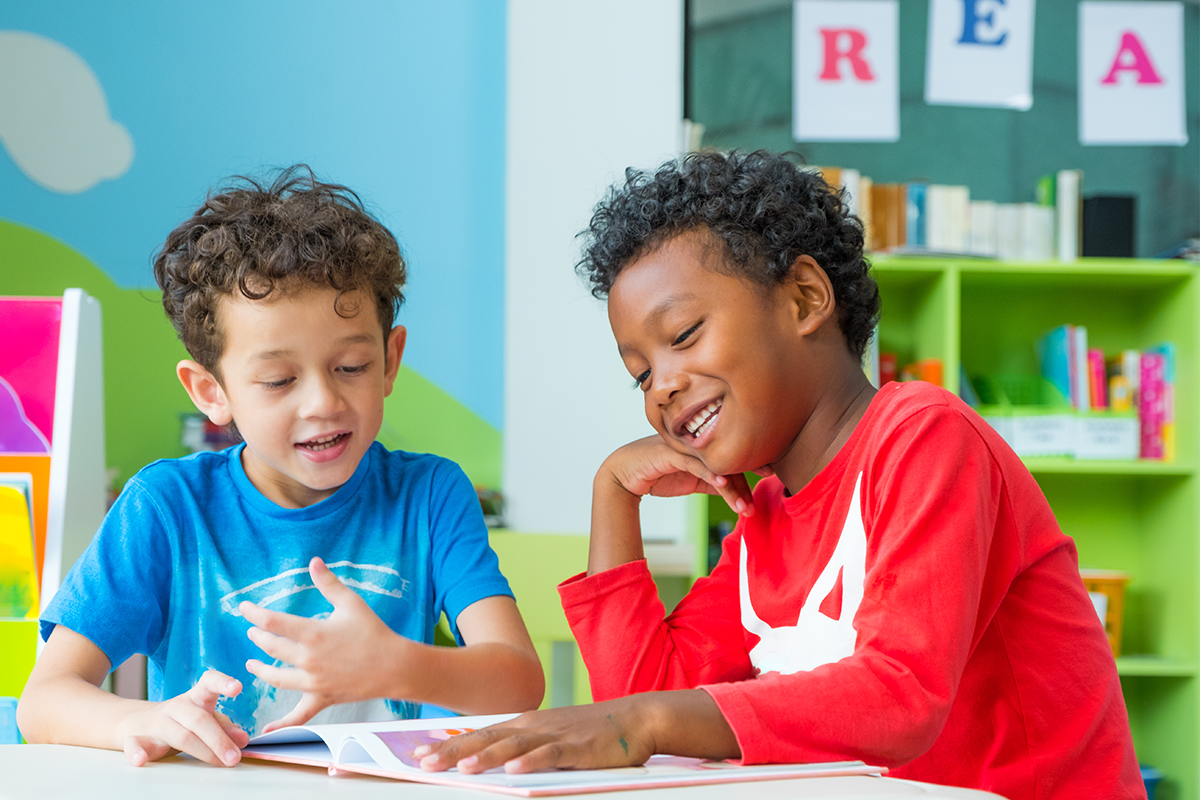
<point>683,337</point>
<point>279,384</point>
<point>354,370</point>
<point>640,380</point>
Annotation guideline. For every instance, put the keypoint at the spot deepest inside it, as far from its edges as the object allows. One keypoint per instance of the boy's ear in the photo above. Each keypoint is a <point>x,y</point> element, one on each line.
<point>205,390</point>
<point>811,293</point>
<point>395,351</point>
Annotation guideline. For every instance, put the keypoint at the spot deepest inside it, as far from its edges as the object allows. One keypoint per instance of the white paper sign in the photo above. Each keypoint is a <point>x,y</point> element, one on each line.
<point>845,67</point>
<point>980,53</point>
<point>1131,73</point>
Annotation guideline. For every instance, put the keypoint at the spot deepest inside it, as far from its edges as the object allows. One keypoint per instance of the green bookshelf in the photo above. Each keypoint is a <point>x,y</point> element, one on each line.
<point>1141,517</point>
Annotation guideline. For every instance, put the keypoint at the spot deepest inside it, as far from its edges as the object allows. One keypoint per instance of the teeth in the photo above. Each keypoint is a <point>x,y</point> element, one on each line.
<point>324,442</point>
<point>702,418</point>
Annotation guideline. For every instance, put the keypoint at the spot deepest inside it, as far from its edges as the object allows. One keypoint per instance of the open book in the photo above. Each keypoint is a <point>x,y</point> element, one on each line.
<point>385,749</point>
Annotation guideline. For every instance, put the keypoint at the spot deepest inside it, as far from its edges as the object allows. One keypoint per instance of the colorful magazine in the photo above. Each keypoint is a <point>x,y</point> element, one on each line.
<point>385,749</point>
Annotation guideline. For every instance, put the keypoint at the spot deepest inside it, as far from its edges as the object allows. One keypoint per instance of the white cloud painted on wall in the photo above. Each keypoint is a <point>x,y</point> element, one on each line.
<point>54,118</point>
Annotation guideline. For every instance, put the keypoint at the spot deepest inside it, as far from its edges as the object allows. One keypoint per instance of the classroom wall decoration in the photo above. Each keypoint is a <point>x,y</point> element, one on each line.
<point>127,150</point>
<point>980,53</point>
<point>1131,73</point>
<point>846,78</point>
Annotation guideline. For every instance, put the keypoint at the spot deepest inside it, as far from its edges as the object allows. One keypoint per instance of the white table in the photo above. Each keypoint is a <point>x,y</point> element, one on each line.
<point>49,772</point>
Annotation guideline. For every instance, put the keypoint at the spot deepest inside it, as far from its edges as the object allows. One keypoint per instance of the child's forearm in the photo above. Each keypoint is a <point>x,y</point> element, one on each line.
<point>483,678</point>
<point>616,535</point>
<point>66,709</point>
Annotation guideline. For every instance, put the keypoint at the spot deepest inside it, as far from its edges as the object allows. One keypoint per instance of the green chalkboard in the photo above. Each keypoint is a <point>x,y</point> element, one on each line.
<point>739,86</point>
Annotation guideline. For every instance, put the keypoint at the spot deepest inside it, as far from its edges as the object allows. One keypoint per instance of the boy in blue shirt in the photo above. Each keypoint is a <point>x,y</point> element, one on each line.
<point>302,572</point>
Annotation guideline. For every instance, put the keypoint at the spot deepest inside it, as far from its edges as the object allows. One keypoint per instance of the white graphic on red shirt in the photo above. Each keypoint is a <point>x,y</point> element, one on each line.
<point>816,638</point>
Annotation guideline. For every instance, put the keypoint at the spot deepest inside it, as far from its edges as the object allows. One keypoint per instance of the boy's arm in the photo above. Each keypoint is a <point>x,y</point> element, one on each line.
<point>353,655</point>
<point>63,704</point>
<point>615,733</point>
<point>648,467</point>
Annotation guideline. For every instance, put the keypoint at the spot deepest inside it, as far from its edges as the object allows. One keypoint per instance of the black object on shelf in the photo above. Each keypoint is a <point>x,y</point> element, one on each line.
<point>1109,226</point>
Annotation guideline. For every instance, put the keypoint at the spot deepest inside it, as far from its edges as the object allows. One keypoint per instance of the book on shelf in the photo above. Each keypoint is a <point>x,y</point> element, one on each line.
<point>915,216</point>
<point>920,217</point>
<point>1150,404</point>
<point>1079,370</point>
<point>1167,422</point>
<point>1068,212</point>
<point>1054,351</point>
<point>385,749</point>
<point>981,238</point>
<point>1097,378</point>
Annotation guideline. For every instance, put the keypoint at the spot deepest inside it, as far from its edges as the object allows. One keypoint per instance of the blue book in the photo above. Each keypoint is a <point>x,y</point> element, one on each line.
<point>915,215</point>
<point>1054,352</point>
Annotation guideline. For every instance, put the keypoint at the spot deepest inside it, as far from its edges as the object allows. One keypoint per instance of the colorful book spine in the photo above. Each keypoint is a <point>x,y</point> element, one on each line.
<point>915,205</point>
<point>1150,404</point>
<point>1097,379</point>
<point>1079,370</point>
<point>1054,352</point>
<point>1167,350</point>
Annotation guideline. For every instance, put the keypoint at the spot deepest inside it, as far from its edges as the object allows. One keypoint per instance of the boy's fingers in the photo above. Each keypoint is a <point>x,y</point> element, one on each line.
<point>337,593</point>
<point>276,622</point>
<point>278,647</point>
<point>141,750</point>
<point>211,687</point>
<point>198,734</point>
<point>308,707</point>
<point>279,677</point>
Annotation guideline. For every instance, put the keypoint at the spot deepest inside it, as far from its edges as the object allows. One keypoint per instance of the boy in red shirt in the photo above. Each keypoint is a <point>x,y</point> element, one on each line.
<point>898,591</point>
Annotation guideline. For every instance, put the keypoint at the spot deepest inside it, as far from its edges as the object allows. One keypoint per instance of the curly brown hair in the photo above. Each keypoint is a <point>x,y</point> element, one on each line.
<point>760,208</point>
<point>257,239</point>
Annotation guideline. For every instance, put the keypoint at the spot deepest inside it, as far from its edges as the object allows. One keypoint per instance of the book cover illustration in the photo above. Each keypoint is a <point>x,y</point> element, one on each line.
<point>385,749</point>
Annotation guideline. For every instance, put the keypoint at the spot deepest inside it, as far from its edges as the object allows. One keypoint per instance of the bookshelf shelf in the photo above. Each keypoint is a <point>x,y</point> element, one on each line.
<point>1141,467</point>
<point>1141,517</point>
<point>1151,667</point>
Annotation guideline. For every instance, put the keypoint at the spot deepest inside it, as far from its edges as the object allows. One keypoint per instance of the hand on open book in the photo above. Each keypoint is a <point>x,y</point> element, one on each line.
<point>615,733</point>
<point>188,723</point>
<point>334,660</point>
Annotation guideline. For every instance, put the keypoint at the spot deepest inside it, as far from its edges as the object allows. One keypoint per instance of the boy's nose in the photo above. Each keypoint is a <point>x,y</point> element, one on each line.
<point>322,399</point>
<point>664,387</point>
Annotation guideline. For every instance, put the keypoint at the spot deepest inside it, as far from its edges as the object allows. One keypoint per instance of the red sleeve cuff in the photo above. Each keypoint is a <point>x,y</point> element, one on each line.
<point>582,589</point>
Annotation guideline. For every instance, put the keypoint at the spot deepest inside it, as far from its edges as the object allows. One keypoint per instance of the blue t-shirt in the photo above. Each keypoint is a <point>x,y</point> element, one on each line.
<point>190,538</point>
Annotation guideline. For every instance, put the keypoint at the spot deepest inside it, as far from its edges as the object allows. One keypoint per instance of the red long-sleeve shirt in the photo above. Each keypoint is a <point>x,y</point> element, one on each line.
<point>915,606</point>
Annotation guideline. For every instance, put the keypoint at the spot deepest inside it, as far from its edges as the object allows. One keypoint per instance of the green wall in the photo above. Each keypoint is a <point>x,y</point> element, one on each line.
<point>740,88</point>
<point>143,400</point>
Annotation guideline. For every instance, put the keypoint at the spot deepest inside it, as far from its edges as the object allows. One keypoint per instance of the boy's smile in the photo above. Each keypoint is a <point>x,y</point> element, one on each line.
<point>713,353</point>
<point>304,386</point>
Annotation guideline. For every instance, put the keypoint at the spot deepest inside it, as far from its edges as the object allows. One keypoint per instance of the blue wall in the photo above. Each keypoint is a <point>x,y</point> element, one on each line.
<point>402,101</point>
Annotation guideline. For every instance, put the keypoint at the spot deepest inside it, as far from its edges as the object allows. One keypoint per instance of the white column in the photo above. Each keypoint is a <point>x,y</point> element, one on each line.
<point>593,88</point>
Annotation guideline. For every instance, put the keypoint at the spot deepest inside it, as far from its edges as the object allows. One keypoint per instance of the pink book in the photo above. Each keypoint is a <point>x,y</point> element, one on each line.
<point>1097,379</point>
<point>385,749</point>
<point>1150,404</point>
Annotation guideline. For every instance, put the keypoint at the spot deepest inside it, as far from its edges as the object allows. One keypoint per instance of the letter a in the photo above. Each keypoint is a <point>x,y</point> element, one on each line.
<point>1131,56</point>
<point>858,41</point>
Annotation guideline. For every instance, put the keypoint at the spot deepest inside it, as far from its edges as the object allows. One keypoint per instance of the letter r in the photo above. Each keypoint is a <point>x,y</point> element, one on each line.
<point>857,41</point>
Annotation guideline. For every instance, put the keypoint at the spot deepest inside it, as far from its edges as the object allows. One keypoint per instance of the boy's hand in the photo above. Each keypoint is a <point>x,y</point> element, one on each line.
<point>333,659</point>
<point>616,733</point>
<point>189,723</point>
<point>597,736</point>
<point>651,467</point>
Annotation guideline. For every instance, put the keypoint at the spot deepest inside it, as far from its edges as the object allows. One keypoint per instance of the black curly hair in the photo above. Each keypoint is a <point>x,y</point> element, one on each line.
<point>257,238</point>
<point>762,209</point>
